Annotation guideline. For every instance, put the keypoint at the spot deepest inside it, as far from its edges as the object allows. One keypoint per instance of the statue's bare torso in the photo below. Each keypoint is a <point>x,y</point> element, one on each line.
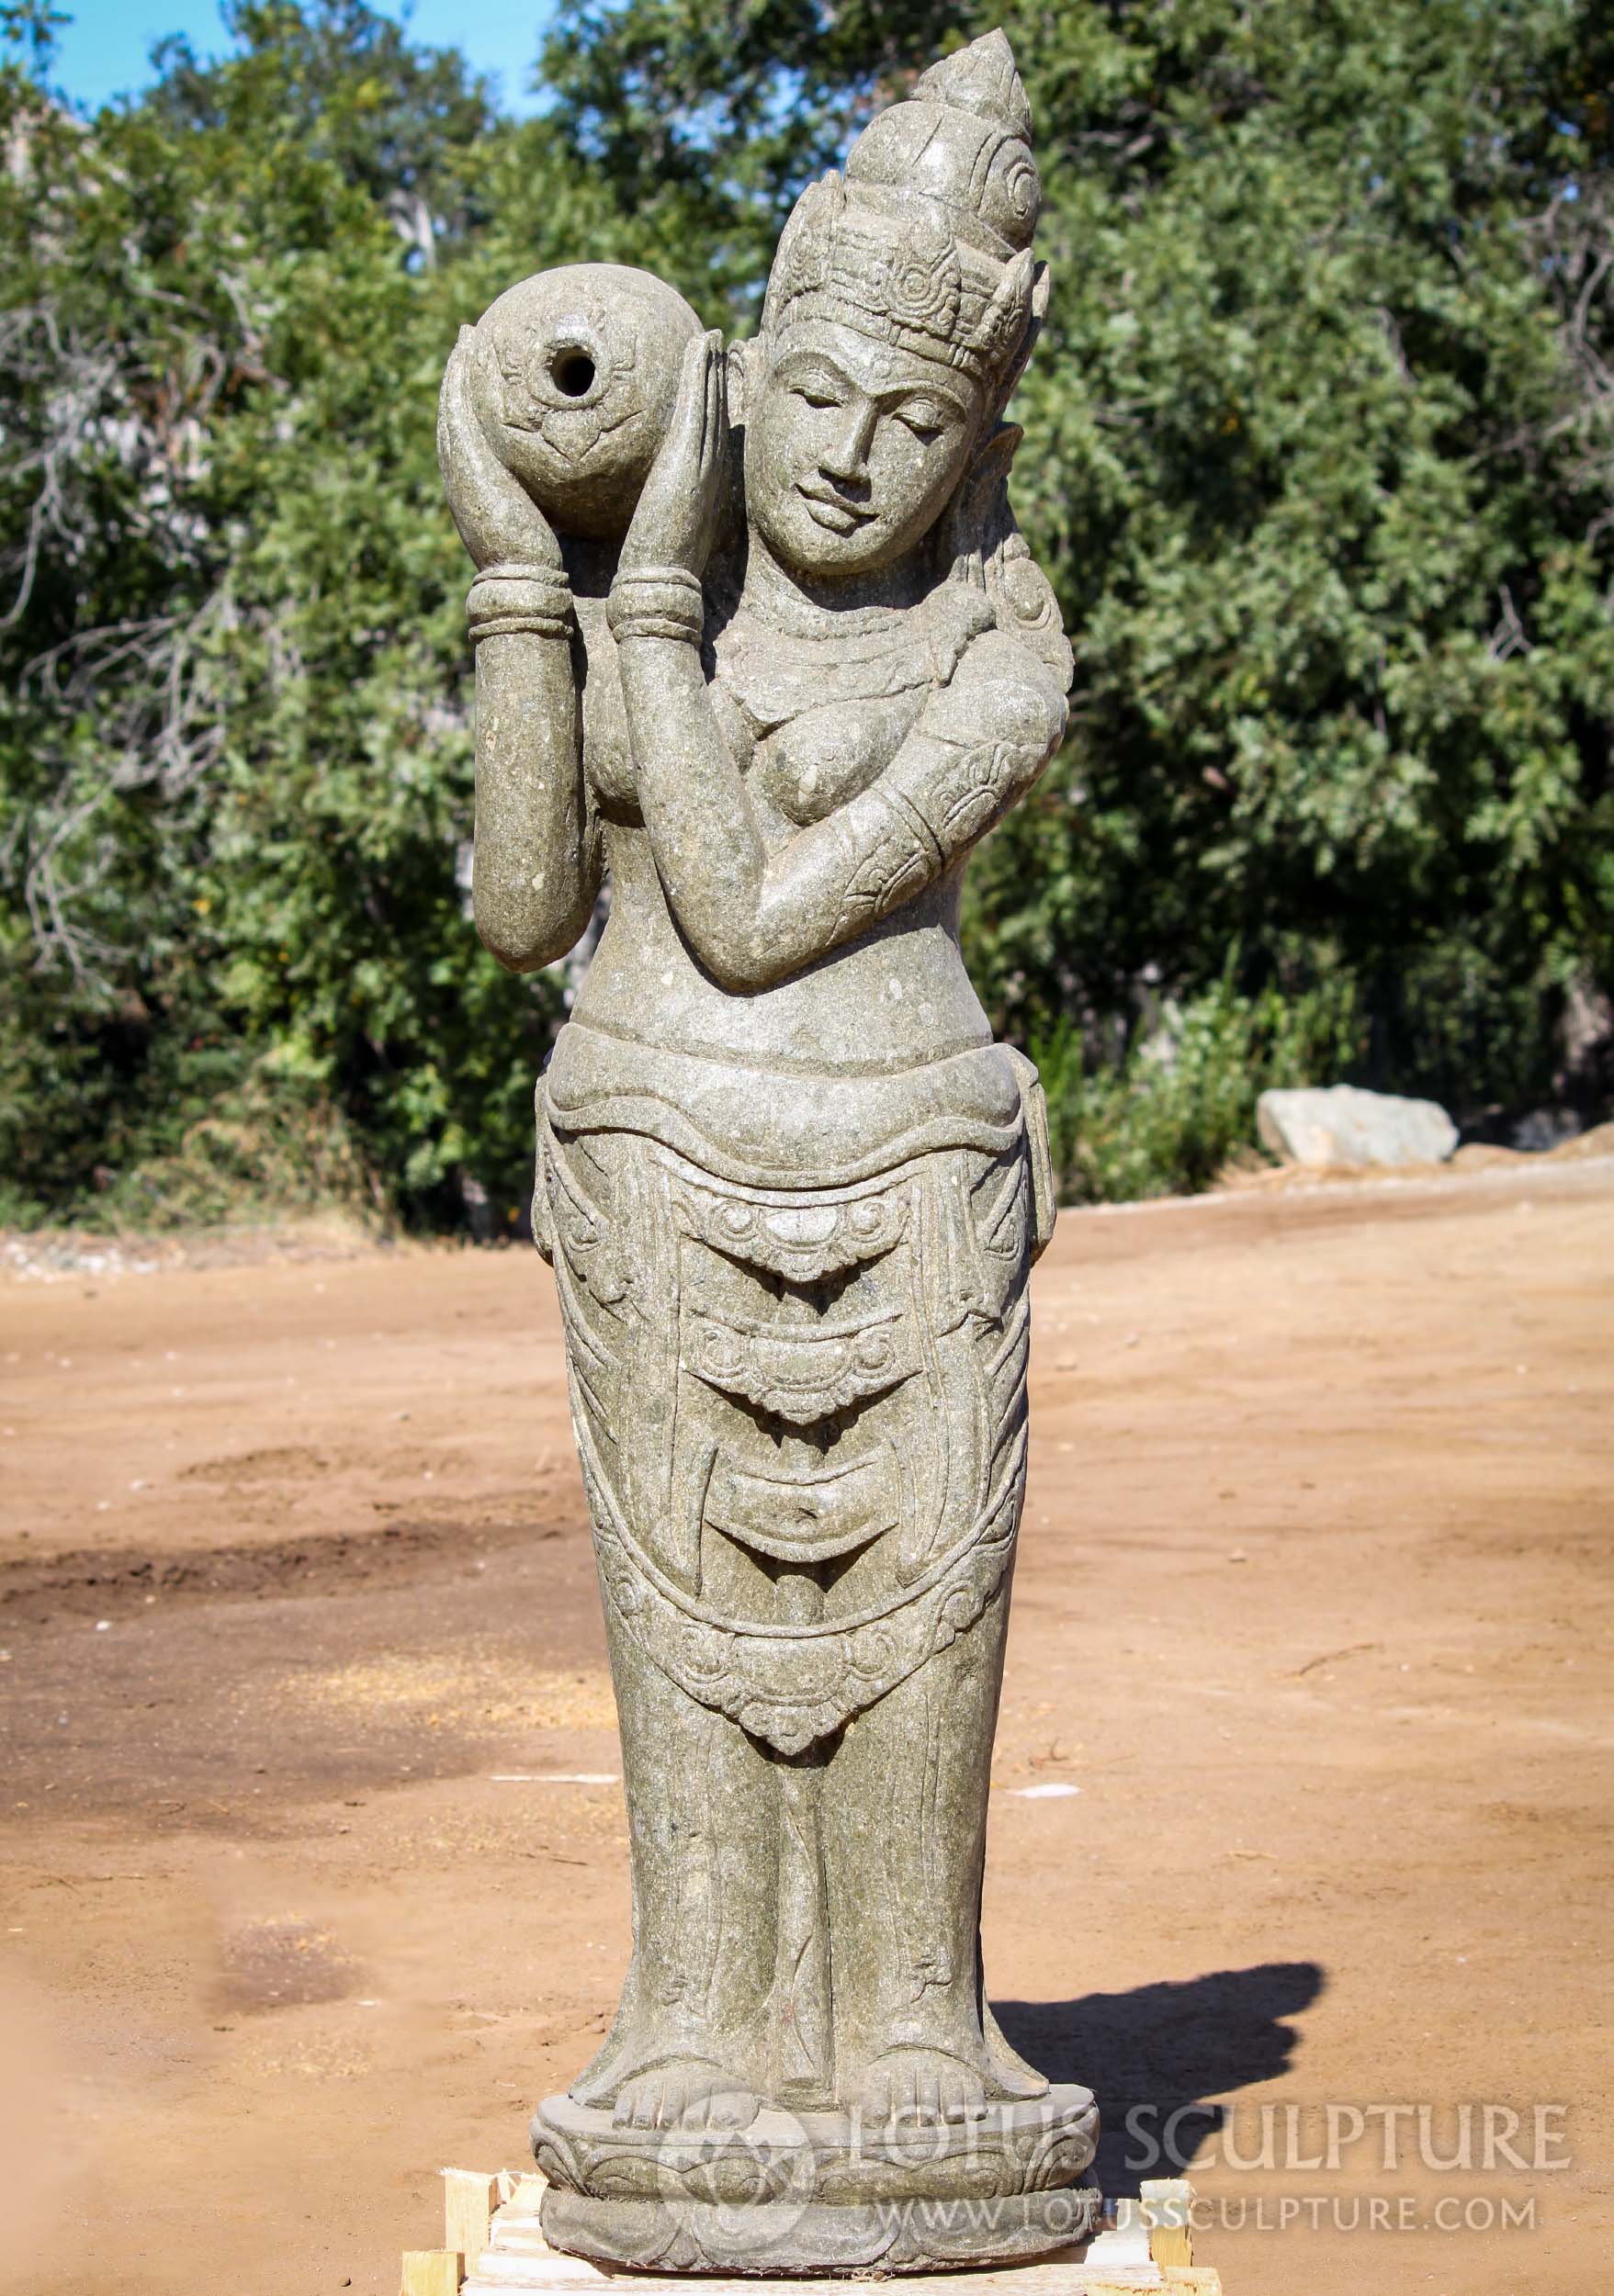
<point>897,997</point>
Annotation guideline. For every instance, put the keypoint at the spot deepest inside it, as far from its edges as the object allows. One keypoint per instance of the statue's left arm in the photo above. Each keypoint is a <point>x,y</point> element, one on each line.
<point>754,916</point>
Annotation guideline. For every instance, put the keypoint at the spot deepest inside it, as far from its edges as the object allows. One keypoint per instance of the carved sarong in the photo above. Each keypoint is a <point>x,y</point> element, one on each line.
<point>800,1412</point>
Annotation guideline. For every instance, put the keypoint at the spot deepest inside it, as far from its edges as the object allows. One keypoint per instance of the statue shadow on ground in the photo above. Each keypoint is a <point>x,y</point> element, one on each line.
<point>1164,2049</point>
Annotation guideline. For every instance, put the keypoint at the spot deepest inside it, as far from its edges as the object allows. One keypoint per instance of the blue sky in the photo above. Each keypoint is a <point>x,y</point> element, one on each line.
<point>104,51</point>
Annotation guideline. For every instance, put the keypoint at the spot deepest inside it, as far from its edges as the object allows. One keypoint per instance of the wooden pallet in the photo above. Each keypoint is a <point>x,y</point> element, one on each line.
<point>493,2245</point>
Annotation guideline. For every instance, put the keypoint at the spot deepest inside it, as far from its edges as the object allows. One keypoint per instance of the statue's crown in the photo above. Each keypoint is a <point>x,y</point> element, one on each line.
<point>982,78</point>
<point>927,241</point>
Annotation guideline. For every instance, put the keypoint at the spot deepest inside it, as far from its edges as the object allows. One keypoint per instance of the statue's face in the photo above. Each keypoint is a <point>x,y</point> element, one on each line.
<point>851,449</point>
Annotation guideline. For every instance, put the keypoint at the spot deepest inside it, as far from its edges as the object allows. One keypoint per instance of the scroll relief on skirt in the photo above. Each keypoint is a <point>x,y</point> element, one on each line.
<point>761,655</point>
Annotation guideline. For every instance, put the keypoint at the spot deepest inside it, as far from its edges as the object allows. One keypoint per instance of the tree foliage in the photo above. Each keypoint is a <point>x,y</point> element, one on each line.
<point>235,749</point>
<point>1329,496</point>
<point>1319,450</point>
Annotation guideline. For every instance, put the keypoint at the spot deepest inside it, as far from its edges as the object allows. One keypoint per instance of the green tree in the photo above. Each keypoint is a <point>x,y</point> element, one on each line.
<point>1313,457</point>
<point>234,747</point>
<point>1318,450</point>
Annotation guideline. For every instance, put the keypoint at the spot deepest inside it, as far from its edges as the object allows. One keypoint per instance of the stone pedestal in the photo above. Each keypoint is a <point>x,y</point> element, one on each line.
<point>1122,2255</point>
<point>818,2193</point>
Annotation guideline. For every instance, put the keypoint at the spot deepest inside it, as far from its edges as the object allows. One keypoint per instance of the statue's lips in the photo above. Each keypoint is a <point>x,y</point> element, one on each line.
<point>833,511</point>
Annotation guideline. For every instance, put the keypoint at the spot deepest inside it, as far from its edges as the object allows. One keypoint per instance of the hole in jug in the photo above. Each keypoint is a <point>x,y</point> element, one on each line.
<point>574,373</point>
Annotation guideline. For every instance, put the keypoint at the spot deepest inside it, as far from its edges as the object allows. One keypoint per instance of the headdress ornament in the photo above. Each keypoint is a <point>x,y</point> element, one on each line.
<point>926,241</point>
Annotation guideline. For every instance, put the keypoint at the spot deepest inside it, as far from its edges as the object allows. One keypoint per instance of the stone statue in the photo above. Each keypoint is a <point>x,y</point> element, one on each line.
<point>756,638</point>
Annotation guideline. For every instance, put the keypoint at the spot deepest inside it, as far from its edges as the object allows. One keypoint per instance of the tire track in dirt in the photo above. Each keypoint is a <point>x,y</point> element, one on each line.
<point>108,1581</point>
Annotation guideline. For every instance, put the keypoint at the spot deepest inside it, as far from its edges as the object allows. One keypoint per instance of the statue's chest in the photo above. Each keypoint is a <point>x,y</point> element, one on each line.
<point>813,725</point>
<point>820,759</point>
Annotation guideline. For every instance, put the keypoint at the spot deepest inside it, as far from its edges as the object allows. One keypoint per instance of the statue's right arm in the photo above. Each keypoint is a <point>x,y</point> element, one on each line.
<point>536,867</point>
<point>537,861</point>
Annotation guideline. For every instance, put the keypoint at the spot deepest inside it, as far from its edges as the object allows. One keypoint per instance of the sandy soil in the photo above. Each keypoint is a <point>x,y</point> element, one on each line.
<point>314,1863</point>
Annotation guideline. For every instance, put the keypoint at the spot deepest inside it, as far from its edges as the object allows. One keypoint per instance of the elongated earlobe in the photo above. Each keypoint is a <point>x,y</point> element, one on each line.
<point>743,360</point>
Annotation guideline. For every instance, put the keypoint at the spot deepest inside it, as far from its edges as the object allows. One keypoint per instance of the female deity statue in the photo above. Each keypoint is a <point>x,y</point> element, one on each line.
<point>790,1188</point>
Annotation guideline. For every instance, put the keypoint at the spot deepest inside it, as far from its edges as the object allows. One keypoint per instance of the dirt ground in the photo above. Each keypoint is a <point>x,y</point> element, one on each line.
<point>314,1865</point>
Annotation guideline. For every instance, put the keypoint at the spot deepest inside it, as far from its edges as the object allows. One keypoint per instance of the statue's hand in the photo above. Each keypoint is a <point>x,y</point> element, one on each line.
<point>499,521</point>
<point>677,514</point>
<point>953,616</point>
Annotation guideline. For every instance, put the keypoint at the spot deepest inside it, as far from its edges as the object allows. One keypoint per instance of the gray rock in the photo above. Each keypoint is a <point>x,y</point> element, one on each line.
<point>1342,1124</point>
<point>760,643</point>
<point>1542,1130</point>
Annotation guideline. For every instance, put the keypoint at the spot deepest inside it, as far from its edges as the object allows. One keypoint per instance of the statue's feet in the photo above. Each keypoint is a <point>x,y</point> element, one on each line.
<point>684,2093</point>
<point>917,2087</point>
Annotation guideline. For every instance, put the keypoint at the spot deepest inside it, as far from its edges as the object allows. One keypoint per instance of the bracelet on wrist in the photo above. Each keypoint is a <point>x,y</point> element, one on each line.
<point>657,601</point>
<point>537,599</point>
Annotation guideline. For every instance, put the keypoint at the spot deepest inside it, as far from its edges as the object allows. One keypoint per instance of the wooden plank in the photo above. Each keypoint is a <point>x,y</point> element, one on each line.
<point>547,2274</point>
<point>431,2272</point>
<point>1166,2202</point>
<point>469,2199</point>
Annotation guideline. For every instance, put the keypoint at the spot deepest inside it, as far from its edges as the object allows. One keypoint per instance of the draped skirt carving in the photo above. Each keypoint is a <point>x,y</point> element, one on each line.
<point>801,1414</point>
